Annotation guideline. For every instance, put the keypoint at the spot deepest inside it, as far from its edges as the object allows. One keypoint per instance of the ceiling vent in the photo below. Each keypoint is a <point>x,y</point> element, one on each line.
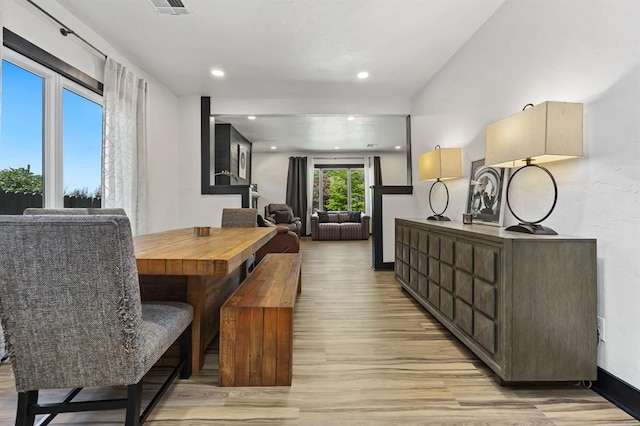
<point>371,145</point>
<point>170,7</point>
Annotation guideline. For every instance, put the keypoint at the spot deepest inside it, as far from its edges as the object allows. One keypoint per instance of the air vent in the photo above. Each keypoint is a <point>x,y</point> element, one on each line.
<point>371,145</point>
<point>170,7</point>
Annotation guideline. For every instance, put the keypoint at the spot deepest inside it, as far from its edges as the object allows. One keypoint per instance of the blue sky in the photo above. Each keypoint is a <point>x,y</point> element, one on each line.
<point>21,133</point>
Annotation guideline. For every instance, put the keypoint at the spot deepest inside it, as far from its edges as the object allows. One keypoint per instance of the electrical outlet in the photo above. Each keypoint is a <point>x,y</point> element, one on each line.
<point>601,334</point>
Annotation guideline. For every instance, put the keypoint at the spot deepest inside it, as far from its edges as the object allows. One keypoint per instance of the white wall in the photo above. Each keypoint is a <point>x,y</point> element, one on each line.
<point>584,51</point>
<point>26,21</point>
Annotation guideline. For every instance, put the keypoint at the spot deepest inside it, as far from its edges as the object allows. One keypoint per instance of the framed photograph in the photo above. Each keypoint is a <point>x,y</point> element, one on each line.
<point>487,192</point>
<point>243,158</point>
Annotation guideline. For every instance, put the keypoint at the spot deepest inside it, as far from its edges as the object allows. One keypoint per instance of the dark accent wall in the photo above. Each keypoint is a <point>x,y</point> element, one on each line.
<point>228,142</point>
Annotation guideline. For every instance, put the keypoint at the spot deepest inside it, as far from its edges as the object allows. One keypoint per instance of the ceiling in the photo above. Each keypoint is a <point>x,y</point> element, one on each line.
<point>293,49</point>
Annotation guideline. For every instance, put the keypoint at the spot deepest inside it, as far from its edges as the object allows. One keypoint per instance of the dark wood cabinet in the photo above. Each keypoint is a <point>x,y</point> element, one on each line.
<point>524,304</point>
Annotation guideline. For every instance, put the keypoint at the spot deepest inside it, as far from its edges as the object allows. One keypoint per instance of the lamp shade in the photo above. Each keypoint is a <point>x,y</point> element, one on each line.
<point>550,131</point>
<point>441,163</point>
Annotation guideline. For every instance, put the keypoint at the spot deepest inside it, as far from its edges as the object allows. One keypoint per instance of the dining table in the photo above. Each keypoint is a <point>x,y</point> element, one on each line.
<point>203,270</point>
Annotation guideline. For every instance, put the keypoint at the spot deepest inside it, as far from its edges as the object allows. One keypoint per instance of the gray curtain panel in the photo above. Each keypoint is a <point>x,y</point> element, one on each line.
<point>377,171</point>
<point>297,189</point>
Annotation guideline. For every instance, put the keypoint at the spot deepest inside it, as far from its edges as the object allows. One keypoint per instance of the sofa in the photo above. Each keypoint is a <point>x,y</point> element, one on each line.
<point>339,226</point>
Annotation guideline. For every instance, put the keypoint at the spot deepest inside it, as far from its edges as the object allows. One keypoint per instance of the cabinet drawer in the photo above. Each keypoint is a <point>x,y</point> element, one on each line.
<point>446,303</point>
<point>464,317</point>
<point>414,257</point>
<point>464,256</point>
<point>406,236</point>
<point>484,332</point>
<point>446,277</point>
<point>464,286</point>
<point>484,297</point>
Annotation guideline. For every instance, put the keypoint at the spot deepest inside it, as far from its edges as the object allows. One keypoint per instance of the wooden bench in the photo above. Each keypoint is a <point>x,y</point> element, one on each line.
<point>256,325</point>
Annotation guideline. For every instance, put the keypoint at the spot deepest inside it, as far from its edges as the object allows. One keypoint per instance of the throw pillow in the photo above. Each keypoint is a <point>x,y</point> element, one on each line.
<point>264,223</point>
<point>323,217</point>
<point>283,216</point>
<point>353,217</point>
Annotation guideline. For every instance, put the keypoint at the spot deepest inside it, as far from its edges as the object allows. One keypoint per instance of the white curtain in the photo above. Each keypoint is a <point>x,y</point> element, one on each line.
<point>125,139</point>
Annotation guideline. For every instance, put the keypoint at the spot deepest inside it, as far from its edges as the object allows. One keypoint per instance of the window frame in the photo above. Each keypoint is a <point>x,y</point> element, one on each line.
<point>52,124</point>
<point>348,167</point>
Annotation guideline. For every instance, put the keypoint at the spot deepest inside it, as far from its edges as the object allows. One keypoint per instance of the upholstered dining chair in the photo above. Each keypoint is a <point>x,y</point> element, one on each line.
<point>72,315</point>
<point>285,240</point>
<point>74,211</point>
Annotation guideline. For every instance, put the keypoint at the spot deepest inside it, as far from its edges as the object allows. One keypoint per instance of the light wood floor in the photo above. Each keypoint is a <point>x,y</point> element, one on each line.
<point>364,354</point>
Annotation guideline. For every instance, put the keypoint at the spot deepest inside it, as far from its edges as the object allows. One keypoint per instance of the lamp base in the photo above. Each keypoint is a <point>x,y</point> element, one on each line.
<point>438,217</point>
<point>532,228</point>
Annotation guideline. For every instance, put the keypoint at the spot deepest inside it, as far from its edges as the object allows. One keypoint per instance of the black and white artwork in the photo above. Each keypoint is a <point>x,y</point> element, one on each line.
<point>487,191</point>
<point>243,158</point>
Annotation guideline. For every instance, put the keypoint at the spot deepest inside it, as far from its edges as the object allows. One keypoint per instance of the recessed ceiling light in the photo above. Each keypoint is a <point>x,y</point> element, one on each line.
<point>363,74</point>
<point>337,147</point>
<point>398,147</point>
<point>274,147</point>
<point>217,73</point>
<point>351,118</point>
<point>251,117</point>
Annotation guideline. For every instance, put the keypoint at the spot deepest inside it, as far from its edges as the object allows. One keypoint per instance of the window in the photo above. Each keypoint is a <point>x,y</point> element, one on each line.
<point>51,139</point>
<point>339,188</point>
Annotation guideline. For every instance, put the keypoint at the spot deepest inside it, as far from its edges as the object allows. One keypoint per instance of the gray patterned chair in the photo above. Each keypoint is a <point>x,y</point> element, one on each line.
<point>72,315</point>
<point>74,211</point>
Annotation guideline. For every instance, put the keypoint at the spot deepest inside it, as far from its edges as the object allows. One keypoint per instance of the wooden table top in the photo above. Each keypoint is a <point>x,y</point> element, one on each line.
<point>179,252</point>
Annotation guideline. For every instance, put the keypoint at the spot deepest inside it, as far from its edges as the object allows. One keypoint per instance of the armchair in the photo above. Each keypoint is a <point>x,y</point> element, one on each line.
<point>72,315</point>
<point>282,214</point>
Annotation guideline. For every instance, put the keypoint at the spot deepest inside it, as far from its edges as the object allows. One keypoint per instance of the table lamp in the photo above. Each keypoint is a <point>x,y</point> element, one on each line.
<point>439,164</point>
<point>550,131</point>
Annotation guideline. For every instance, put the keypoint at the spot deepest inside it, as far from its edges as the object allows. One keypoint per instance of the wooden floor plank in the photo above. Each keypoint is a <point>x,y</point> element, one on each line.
<point>364,354</point>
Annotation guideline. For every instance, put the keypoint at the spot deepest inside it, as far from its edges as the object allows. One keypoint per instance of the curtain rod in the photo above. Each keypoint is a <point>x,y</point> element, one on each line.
<point>65,30</point>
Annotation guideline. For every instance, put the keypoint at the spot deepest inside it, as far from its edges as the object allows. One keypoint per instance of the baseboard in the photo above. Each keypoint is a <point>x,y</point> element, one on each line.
<point>620,393</point>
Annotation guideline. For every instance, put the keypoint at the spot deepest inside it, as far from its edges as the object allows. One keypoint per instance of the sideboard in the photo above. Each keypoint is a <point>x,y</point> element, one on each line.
<point>524,304</point>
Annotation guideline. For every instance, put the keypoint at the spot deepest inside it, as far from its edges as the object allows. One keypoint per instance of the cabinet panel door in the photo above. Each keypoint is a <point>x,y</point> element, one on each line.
<point>464,256</point>
<point>434,270</point>
<point>434,246</point>
<point>423,262</point>
<point>406,236</point>
<point>446,250</point>
<point>446,303</point>
<point>464,317</point>
<point>484,332</point>
<point>414,239</point>
<point>464,286</point>
<point>413,278</point>
<point>422,285</point>
<point>446,277</point>
<point>484,297</point>
<point>484,264</point>
<point>434,294</point>
<point>423,240</point>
